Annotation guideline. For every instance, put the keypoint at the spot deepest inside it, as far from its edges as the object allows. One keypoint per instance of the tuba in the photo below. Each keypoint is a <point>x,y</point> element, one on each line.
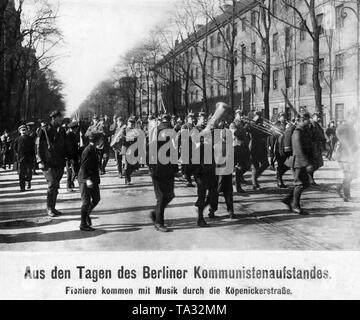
<point>222,110</point>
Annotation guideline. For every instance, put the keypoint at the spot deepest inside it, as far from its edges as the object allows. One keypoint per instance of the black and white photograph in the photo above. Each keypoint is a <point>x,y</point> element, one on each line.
<point>213,128</point>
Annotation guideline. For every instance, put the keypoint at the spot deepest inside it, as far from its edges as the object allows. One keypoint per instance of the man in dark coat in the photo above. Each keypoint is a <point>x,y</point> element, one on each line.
<point>318,146</point>
<point>51,157</point>
<point>205,173</point>
<point>278,150</point>
<point>188,169</point>
<point>241,150</point>
<point>73,154</point>
<point>258,150</point>
<point>163,177</point>
<point>89,181</point>
<point>24,151</point>
<point>6,149</point>
<point>300,162</point>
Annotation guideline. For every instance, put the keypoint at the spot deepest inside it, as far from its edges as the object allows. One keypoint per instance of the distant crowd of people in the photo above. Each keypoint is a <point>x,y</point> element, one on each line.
<point>84,149</point>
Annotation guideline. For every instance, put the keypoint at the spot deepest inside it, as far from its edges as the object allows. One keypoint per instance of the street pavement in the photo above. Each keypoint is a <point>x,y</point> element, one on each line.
<point>122,218</point>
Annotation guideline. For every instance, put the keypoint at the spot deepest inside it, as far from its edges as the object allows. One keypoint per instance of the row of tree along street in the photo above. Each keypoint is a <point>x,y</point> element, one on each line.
<point>29,88</point>
<point>161,71</point>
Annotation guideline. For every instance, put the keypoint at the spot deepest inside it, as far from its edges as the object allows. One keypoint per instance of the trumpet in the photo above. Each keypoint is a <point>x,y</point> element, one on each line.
<point>266,127</point>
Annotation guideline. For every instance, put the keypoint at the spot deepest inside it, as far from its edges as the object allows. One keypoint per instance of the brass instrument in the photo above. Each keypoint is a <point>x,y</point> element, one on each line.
<point>222,109</point>
<point>266,127</point>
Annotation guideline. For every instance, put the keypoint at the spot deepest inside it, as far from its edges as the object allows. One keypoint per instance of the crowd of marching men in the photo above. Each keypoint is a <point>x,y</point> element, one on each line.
<point>85,149</point>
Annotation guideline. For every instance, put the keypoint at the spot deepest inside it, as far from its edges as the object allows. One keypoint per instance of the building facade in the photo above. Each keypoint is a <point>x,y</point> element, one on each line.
<point>291,59</point>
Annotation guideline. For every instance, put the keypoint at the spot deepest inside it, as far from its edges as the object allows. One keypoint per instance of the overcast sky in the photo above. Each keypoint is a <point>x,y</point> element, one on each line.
<point>97,32</point>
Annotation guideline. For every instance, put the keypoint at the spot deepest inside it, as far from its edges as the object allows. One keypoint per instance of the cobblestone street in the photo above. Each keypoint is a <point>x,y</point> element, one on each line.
<point>122,219</point>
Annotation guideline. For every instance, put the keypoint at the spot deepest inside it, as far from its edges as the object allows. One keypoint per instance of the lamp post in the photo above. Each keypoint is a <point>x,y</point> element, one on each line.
<point>357,15</point>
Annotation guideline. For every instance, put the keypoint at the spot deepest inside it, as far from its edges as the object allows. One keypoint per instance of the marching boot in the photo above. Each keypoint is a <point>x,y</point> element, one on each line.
<point>280,182</point>
<point>22,186</point>
<point>201,221</point>
<point>84,226</point>
<point>29,185</point>
<point>288,201</point>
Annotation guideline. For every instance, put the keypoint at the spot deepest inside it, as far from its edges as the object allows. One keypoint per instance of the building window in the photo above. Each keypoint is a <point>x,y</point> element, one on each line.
<point>228,34</point>
<point>321,69</point>
<point>253,83</point>
<point>263,78</point>
<point>320,19</point>
<point>197,73</point>
<point>244,54</point>
<point>274,7</point>
<point>302,34</point>
<point>253,50</point>
<point>192,96</point>
<point>243,24</point>
<point>219,38</point>
<point>303,73</point>
<point>339,112</point>
<point>236,57</point>
<point>263,47</point>
<point>288,40</point>
<point>212,69</point>
<point>275,42</point>
<point>212,42</point>
<point>253,18</point>
<point>196,95</point>
<point>218,63</point>
<point>339,66</point>
<point>236,87</point>
<point>235,29</point>
<point>212,93</point>
<point>339,16</point>
<point>288,77</point>
<point>276,79</point>
<point>219,91</point>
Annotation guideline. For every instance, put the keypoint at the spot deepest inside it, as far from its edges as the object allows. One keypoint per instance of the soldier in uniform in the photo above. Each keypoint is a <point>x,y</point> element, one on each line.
<point>129,139</point>
<point>278,150</point>
<point>51,154</point>
<point>225,181</point>
<point>163,177</point>
<point>318,144</point>
<point>105,150</point>
<point>205,174</point>
<point>24,151</point>
<point>73,154</point>
<point>31,132</point>
<point>119,132</point>
<point>188,169</point>
<point>258,150</point>
<point>241,150</point>
<point>98,129</point>
<point>89,181</point>
<point>300,163</point>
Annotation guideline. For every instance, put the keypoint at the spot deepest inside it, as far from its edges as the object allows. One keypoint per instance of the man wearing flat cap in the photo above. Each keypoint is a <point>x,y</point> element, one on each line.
<point>51,154</point>
<point>24,151</point>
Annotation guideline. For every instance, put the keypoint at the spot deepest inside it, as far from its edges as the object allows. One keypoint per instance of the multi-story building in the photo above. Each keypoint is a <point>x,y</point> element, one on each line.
<point>291,59</point>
